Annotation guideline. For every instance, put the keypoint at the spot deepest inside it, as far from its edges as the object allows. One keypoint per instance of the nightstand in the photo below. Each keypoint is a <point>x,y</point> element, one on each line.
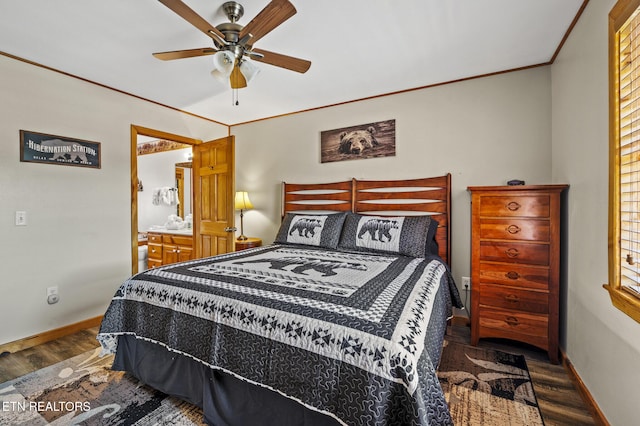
<point>248,243</point>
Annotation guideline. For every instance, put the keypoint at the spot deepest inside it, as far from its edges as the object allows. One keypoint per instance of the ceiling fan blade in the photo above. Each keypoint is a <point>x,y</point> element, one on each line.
<point>194,19</point>
<point>282,61</point>
<point>180,54</point>
<point>274,14</point>
<point>237,79</point>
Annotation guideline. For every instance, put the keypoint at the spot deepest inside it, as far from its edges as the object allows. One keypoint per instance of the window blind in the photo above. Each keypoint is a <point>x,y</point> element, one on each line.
<point>629,152</point>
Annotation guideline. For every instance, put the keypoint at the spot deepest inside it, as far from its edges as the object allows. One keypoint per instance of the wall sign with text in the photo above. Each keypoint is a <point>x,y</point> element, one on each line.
<point>51,149</point>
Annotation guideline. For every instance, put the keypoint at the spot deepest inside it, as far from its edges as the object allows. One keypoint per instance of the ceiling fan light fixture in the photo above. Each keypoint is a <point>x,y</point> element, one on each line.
<point>249,70</point>
<point>223,63</point>
<point>233,43</point>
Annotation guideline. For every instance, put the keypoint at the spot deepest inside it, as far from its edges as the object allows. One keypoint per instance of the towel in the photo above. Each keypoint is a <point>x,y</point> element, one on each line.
<point>170,196</point>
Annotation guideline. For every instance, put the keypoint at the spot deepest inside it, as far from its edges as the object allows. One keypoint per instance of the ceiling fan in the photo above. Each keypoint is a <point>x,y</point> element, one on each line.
<point>233,43</point>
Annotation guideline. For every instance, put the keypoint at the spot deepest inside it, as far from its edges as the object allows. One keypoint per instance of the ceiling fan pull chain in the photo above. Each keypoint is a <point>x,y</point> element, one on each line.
<point>234,97</point>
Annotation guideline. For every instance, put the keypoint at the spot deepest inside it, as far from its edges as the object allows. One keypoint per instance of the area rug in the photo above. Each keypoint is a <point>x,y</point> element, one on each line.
<point>482,387</point>
<point>83,390</point>
<point>487,387</point>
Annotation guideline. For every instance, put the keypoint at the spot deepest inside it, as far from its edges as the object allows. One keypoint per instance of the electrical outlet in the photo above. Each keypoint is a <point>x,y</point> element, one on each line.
<point>466,283</point>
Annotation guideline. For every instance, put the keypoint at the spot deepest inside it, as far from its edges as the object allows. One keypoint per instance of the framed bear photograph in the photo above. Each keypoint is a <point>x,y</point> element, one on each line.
<point>358,142</point>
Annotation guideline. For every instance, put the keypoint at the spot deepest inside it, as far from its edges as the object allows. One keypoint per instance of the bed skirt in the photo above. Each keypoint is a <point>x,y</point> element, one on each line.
<point>224,399</point>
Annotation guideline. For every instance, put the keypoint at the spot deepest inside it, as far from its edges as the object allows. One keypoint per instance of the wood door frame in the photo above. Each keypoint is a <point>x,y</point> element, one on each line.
<point>145,131</point>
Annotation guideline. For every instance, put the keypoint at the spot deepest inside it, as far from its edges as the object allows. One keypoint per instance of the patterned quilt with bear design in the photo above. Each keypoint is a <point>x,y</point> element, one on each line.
<point>354,335</point>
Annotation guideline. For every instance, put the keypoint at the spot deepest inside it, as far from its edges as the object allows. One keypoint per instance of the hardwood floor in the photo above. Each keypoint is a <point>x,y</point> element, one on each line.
<point>19,363</point>
<point>559,400</point>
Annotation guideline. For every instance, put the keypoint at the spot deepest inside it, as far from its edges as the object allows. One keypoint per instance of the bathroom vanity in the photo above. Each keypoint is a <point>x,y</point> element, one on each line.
<point>169,246</point>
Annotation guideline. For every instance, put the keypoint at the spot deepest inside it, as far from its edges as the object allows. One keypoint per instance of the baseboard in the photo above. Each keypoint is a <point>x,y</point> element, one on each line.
<point>50,335</point>
<point>595,411</point>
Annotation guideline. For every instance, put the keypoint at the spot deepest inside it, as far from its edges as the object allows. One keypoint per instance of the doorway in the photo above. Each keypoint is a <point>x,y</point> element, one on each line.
<point>213,178</point>
<point>136,133</point>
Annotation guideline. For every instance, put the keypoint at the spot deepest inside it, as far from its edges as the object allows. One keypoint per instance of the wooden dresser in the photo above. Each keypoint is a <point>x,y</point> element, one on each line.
<point>165,248</point>
<point>515,264</point>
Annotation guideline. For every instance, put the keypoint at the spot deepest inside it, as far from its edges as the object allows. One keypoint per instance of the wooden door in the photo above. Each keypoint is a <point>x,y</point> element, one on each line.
<point>214,189</point>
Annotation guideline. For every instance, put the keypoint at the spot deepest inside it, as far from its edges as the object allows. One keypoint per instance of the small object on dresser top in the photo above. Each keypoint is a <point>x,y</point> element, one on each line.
<point>515,182</point>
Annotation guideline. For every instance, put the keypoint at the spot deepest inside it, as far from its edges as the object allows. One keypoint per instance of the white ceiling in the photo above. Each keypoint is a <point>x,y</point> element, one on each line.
<point>358,48</point>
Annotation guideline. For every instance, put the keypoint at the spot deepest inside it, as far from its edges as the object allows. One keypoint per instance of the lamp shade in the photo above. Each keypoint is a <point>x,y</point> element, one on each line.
<point>242,201</point>
<point>249,70</point>
<point>223,63</point>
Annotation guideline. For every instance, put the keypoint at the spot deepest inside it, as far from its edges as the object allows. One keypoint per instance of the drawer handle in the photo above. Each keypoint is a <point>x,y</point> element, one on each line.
<point>512,321</point>
<point>153,250</point>
<point>512,253</point>
<point>513,229</point>
<point>513,206</point>
<point>512,275</point>
<point>512,298</point>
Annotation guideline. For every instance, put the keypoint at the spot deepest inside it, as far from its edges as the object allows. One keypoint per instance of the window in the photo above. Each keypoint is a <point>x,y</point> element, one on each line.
<point>624,152</point>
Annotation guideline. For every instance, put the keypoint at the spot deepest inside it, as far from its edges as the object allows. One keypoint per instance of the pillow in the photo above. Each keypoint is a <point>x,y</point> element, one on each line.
<point>432,244</point>
<point>322,230</point>
<point>406,235</point>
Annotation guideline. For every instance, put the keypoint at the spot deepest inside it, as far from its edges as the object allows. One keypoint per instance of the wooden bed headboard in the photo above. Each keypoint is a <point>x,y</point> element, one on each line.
<point>426,196</point>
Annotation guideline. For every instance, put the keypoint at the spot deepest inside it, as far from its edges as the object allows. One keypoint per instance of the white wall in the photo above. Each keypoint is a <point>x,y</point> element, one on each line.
<point>78,232</point>
<point>484,131</point>
<point>602,343</point>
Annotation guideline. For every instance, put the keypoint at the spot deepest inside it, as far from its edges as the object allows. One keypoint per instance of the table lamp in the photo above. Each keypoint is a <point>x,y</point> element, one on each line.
<point>242,203</point>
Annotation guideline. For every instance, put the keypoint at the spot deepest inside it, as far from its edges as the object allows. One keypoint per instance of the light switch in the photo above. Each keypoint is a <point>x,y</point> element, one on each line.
<point>21,218</point>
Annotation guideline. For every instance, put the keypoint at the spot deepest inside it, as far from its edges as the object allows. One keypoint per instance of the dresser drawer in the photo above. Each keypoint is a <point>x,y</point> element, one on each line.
<point>515,205</point>
<point>533,277</point>
<point>154,238</point>
<point>500,296</point>
<point>154,251</point>
<point>514,323</point>
<point>515,229</point>
<point>181,240</point>
<point>514,252</point>
<point>153,263</point>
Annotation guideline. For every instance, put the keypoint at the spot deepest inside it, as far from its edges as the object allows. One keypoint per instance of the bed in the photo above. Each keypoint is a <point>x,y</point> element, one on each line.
<point>340,321</point>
